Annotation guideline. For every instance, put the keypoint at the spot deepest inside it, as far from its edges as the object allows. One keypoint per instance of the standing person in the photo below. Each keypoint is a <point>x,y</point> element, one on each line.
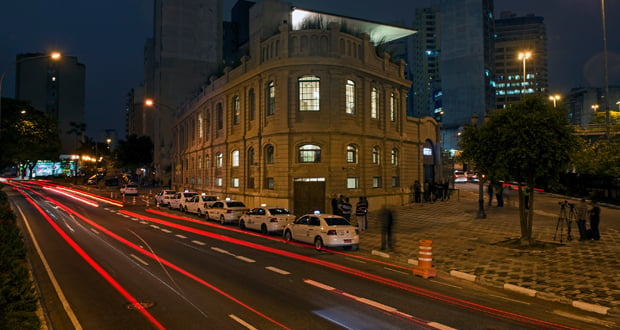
<point>427,191</point>
<point>582,212</point>
<point>499,193</point>
<point>361,213</point>
<point>387,223</point>
<point>595,219</point>
<point>346,209</point>
<point>335,204</point>
<point>446,190</point>
<point>417,192</point>
<point>490,193</point>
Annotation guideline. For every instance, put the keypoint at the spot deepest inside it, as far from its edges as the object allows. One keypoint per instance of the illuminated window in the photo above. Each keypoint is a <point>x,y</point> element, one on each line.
<point>219,159</point>
<point>219,182</point>
<point>351,154</point>
<point>236,110</point>
<point>235,158</point>
<point>309,93</point>
<point>352,183</point>
<point>271,98</point>
<point>200,127</point>
<point>374,103</point>
<point>235,182</point>
<point>376,156</point>
<point>393,106</point>
<point>376,182</point>
<point>269,183</point>
<point>309,153</point>
<point>394,156</point>
<point>350,97</point>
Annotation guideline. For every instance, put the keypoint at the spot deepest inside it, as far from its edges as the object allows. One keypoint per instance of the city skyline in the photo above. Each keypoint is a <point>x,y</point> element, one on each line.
<point>110,43</point>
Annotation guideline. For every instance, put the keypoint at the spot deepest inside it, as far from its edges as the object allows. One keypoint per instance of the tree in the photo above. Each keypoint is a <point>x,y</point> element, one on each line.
<point>529,143</point>
<point>27,135</point>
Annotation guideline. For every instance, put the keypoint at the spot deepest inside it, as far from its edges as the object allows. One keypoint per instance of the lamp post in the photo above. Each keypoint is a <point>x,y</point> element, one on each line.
<point>481,214</point>
<point>524,56</point>
<point>54,56</point>
<point>605,71</point>
<point>555,98</point>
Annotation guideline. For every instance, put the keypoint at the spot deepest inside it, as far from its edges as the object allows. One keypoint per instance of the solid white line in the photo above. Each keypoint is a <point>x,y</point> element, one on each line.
<point>277,270</point>
<point>446,284</point>
<point>440,326</point>
<point>245,259</point>
<point>199,242</point>
<point>180,236</point>
<point>396,271</point>
<point>509,299</point>
<point>94,231</point>
<point>356,260</point>
<point>242,322</point>
<point>139,260</point>
<point>48,269</point>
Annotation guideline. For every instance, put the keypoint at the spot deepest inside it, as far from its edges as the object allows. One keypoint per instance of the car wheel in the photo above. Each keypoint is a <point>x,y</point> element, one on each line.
<point>288,236</point>
<point>241,224</point>
<point>263,229</point>
<point>222,220</point>
<point>318,243</point>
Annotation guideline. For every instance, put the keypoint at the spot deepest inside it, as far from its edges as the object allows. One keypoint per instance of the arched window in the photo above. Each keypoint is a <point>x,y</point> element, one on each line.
<point>351,153</point>
<point>269,154</point>
<point>251,160</point>
<point>376,155</point>
<point>309,153</point>
<point>236,110</point>
<point>219,159</point>
<point>394,156</point>
<point>234,158</point>
<point>271,98</point>
<point>374,103</point>
<point>309,93</point>
<point>350,97</point>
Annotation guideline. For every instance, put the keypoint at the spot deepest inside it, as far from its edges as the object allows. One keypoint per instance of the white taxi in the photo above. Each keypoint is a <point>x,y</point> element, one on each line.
<point>199,204</point>
<point>226,211</point>
<point>267,219</point>
<point>323,230</point>
<point>163,197</point>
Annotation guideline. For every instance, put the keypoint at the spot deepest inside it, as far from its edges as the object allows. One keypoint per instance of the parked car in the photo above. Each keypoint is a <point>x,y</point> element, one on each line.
<point>460,177</point>
<point>472,176</point>
<point>266,219</point>
<point>186,196</point>
<point>163,197</point>
<point>129,189</point>
<point>323,230</point>
<point>226,211</point>
<point>199,204</point>
<point>174,202</point>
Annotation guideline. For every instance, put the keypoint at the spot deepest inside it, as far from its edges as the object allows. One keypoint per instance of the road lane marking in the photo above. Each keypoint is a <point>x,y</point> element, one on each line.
<point>138,259</point>
<point>242,322</point>
<point>167,231</point>
<point>154,226</point>
<point>180,236</point>
<point>61,296</point>
<point>216,249</point>
<point>277,270</point>
<point>199,242</point>
<point>94,231</point>
<point>245,259</point>
<point>396,271</point>
<point>510,299</point>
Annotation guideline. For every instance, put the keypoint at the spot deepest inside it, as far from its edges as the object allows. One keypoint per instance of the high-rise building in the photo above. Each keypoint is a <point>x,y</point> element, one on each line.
<point>516,36</point>
<point>426,52</point>
<point>55,86</point>
<point>186,51</point>
<point>467,64</point>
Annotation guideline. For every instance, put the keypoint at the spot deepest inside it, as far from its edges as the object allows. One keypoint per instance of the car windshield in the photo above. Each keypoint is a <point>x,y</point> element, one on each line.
<point>235,204</point>
<point>275,211</point>
<point>336,221</point>
<point>188,195</point>
<point>209,198</point>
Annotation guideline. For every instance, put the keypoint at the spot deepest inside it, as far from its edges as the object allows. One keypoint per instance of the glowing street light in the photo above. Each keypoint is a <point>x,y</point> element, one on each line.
<point>524,56</point>
<point>54,56</point>
<point>594,107</point>
<point>555,98</point>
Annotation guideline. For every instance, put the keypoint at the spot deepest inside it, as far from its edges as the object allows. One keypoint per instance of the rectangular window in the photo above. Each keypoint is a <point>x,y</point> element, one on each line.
<point>393,107</point>
<point>219,113</point>
<point>271,98</point>
<point>219,182</point>
<point>251,183</point>
<point>374,104</point>
<point>236,110</point>
<point>350,97</point>
<point>269,183</point>
<point>376,182</point>
<point>309,93</point>
<point>235,182</point>
<point>395,181</point>
<point>352,183</point>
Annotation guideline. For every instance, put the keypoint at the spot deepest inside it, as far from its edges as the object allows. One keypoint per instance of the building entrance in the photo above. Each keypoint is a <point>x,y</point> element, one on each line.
<point>309,195</point>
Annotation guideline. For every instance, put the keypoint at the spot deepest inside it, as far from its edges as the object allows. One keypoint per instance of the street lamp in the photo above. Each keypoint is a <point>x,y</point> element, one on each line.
<point>555,98</point>
<point>594,107</point>
<point>524,56</point>
<point>54,56</point>
<point>481,214</point>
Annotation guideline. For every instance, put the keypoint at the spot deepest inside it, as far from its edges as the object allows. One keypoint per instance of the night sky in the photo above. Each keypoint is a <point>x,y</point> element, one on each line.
<point>108,37</point>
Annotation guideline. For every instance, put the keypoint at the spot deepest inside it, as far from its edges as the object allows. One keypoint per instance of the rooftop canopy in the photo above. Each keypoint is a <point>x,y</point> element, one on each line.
<point>378,32</point>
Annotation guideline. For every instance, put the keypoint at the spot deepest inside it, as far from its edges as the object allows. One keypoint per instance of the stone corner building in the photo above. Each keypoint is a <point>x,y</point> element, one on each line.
<point>308,113</point>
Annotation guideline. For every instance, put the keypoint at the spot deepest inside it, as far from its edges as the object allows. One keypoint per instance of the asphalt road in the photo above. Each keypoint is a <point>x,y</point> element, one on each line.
<point>101,266</point>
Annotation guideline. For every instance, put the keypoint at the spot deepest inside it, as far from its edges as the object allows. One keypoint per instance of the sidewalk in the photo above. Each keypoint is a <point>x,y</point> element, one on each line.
<point>584,274</point>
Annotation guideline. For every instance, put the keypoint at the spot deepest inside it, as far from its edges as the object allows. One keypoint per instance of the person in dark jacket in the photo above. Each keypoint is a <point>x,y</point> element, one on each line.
<point>595,219</point>
<point>361,213</point>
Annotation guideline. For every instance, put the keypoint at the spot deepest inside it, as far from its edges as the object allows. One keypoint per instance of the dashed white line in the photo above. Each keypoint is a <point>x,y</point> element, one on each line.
<point>154,226</point>
<point>167,231</point>
<point>144,222</point>
<point>242,322</point>
<point>277,270</point>
<point>216,249</point>
<point>180,236</point>
<point>199,242</point>
<point>245,259</point>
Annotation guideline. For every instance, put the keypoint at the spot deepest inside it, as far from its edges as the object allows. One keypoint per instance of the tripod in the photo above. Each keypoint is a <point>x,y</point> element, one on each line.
<point>565,217</point>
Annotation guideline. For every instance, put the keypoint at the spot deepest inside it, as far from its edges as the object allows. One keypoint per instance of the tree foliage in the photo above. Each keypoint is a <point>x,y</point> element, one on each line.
<point>27,135</point>
<point>136,151</point>
<point>599,157</point>
<point>529,143</point>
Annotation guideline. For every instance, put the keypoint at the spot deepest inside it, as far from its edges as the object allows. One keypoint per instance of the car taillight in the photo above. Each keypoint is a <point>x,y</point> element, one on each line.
<point>332,232</point>
<point>273,220</point>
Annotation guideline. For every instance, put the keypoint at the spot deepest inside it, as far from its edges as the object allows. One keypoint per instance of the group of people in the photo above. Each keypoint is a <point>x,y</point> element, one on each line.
<point>432,191</point>
<point>341,206</point>
<point>583,212</point>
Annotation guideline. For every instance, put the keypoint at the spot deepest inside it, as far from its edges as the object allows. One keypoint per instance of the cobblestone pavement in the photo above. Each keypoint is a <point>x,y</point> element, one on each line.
<point>585,274</point>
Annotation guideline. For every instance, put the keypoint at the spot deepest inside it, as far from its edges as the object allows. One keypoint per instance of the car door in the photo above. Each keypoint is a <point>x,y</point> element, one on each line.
<point>216,210</point>
<point>300,229</point>
<point>314,228</point>
<point>259,217</point>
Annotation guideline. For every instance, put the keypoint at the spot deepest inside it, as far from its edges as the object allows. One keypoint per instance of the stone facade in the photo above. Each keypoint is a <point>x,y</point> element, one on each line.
<point>251,136</point>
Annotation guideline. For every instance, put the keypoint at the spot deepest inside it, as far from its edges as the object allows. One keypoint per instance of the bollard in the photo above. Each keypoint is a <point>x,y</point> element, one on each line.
<point>425,260</point>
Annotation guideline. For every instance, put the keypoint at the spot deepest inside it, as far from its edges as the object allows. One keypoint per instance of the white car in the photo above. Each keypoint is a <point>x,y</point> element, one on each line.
<point>163,197</point>
<point>199,204</point>
<point>226,211</point>
<point>174,202</point>
<point>185,197</point>
<point>460,177</point>
<point>323,230</point>
<point>266,219</point>
<point>129,189</point>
